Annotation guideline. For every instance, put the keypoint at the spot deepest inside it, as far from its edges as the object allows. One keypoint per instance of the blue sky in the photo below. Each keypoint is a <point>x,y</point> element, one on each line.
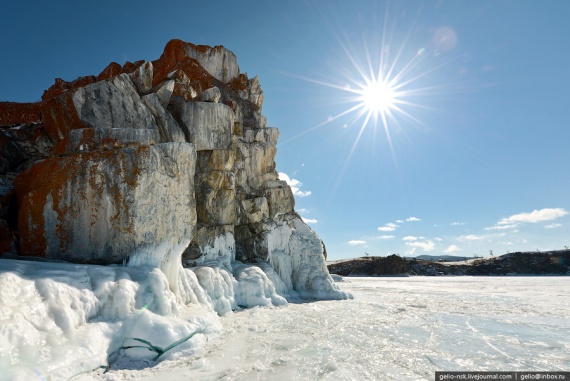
<point>475,157</point>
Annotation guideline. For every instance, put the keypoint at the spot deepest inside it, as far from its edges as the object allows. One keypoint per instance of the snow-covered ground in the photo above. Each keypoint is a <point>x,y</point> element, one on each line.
<point>393,329</point>
<point>62,321</point>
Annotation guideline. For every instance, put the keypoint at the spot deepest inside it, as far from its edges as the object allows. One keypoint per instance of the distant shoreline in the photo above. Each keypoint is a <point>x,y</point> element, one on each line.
<point>515,264</point>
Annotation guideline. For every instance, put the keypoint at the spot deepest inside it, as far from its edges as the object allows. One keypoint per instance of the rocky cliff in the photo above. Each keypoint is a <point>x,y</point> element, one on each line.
<point>163,163</point>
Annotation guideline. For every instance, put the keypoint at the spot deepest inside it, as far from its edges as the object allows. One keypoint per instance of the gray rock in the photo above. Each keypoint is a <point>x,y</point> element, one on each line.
<point>11,154</point>
<point>261,135</point>
<point>96,139</point>
<point>164,91</point>
<point>112,103</point>
<point>107,207</point>
<point>212,94</point>
<point>169,130</point>
<point>280,200</point>
<point>254,210</point>
<point>215,197</point>
<point>207,125</point>
<point>255,165</point>
<point>142,77</point>
<point>218,61</point>
<point>215,243</point>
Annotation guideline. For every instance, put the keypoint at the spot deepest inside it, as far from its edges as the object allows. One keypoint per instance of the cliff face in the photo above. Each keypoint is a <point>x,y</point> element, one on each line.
<point>164,163</point>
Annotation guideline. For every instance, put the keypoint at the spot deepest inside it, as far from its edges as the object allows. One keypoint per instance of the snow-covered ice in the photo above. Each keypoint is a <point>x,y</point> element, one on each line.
<point>393,329</point>
<point>61,321</point>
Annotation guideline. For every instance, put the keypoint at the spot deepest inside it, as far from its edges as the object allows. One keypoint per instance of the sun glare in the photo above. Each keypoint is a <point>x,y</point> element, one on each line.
<point>377,97</point>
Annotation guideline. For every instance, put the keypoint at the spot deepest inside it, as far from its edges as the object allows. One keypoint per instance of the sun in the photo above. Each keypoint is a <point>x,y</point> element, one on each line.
<point>377,97</point>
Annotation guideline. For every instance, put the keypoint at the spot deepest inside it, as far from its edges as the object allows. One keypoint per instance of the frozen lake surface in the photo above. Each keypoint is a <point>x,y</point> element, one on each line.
<point>393,329</point>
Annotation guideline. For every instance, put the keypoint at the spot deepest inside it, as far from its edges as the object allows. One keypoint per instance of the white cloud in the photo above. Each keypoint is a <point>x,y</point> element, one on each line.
<point>426,246</point>
<point>389,227</point>
<point>409,238</point>
<point>502,227</point>
<point>452,249</point>
<point>553,226</point>
<point>302,211</point>
<point>506,243</point>
<point>473,237</point>
<point>412,219</point>
<point>546,214</point>
<point>356,242</point>
<point>386,237</point>
<point>400,221</point>
<point>309,220</point>
<point>457,223</point>
<point>438,239</point>
<point>295,185</point>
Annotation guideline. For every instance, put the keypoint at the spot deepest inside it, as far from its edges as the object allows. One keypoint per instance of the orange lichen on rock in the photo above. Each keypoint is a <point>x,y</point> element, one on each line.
<point>60,116</point>
<point>239,83</point>
<point>60,86</point>
<point>52,196</point>
<point>111,70</point>
<point>13,113</point>
<point>130,67</point>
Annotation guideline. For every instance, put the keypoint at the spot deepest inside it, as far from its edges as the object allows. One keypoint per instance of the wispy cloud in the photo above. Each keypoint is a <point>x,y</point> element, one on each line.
<point>452,249</point>
<point>399,221</point>
<point>385,237</point>
<point>457,223</point>
<point>552,226</point>
<point>412,219</point>
<point>356,242</point>
<point>546,214</point>
<point>426,246</point>
<point>295,185</point>
<point>309,220</point>
<point>409,238</point>
<point>389,227</point>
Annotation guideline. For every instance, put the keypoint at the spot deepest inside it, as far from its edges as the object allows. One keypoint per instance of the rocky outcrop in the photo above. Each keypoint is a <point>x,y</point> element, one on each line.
<point>161,163</point>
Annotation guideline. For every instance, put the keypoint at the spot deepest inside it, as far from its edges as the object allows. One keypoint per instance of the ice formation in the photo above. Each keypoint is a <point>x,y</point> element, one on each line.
<point>60,320</point>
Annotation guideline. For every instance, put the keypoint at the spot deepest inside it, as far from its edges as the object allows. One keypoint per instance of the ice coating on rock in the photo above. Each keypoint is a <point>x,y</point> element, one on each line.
<point>64,319</point>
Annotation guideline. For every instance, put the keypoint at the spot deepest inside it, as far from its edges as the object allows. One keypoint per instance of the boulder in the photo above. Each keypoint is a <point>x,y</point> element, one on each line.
<point>183,90</point>
<point>142,77</point>
<point>164,91</point>
<point>104,207</point>
<point>168,129</point>
<point>207,125</point>
<point>113,103</point>
<point>212,94</point>
<point>218,61</point>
